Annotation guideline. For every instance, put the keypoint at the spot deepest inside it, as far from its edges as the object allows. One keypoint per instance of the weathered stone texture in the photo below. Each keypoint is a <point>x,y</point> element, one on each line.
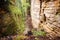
<point>51,10</point>
<point>35,8</point>
<point>52,22</point>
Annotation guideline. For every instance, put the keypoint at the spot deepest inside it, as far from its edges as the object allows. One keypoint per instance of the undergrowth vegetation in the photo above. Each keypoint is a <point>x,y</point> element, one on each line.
<point>13,19</point>
<point>18,11</point>
<point>38,33</point>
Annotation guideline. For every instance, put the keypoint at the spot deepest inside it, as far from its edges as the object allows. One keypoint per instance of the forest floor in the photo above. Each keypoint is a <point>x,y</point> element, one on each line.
<point>29,38</point>
<point>41,38</point>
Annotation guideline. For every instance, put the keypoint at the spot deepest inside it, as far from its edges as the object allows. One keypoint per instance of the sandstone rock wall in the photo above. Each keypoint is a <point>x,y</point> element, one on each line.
<point>35,9</point>
<point>52,15</point>
<point>47,15</point>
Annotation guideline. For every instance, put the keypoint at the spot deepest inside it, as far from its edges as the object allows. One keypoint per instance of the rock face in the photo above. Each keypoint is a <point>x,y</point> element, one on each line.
<point>35,9</point>
<point>49,16</point>
<point>51,25</point>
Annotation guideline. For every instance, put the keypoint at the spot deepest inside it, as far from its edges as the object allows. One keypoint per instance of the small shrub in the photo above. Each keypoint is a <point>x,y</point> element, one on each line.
<point>39,33</point>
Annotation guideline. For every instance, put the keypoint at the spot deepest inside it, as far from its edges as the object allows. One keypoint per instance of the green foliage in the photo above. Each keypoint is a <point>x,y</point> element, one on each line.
<point>11,29</point>
<point>14,20</point>
<point>18,10</point>
<point>39,33</point>
<point>22,4</point>
<point>15,10</point>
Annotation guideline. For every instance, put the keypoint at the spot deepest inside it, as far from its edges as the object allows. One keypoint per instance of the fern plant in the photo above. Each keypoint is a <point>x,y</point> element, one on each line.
<point>18,10</point>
